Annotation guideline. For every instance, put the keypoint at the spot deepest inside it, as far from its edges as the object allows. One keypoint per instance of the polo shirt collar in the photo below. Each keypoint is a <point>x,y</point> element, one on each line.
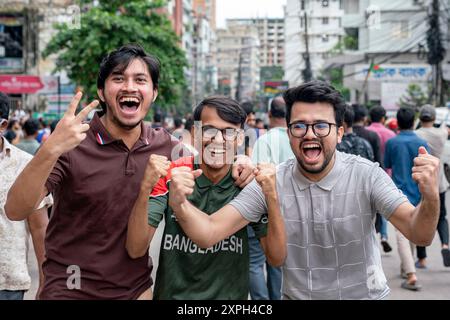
<point>103,137</point>
<point>406,133</point>
<point>328,182</point>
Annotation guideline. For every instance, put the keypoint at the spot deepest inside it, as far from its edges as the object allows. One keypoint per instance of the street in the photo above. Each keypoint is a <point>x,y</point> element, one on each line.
<point>435,280</point>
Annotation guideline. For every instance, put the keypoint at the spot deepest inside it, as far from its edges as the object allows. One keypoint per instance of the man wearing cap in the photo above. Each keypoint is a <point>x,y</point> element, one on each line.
<point>436,138</point>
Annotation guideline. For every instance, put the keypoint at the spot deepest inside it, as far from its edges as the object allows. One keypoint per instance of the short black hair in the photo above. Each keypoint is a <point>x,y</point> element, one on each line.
<point>177,122</point>
<point>278,108</point>
<point>360,112</point>
<point>377,113</point>
<point>157,117</point>
<point>189,124</point>
<point>10,135</point>
<point>4,106</point>
<point>118,60</point>
<point>228,109</point>
<point>248,107</point>
<point>405,118</point>
<point>349,116</point>
<point>53,125</point>
<point>312,92</point>
<point>31,126</point>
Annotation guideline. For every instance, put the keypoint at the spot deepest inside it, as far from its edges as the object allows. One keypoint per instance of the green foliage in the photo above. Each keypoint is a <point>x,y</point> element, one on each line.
<point>336,76</point>
<point>108,26</point>
<point>414,97</point>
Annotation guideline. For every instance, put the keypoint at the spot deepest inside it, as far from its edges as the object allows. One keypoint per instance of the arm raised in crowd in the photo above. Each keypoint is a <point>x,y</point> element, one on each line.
<point>207,230</point>
<point>29,188</point>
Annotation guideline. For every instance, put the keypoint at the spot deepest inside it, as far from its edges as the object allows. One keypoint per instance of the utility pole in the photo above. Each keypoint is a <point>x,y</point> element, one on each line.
<point>239,78</point>
<point>307,72</point>
<point>436,51</point>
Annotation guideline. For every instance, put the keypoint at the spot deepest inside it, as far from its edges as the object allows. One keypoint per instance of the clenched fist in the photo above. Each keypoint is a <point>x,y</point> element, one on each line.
<point>157,167</point>
<point>425,173</point>
<point>182,185</point>
<point>71,130</point>
<point>266,175</point>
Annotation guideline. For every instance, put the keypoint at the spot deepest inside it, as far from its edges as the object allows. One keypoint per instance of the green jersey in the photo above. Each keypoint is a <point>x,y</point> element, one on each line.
<point>187,271</point>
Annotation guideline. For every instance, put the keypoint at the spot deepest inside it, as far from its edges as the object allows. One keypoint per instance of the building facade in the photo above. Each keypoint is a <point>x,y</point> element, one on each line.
<point>313,26</point>
<point>238,61</point>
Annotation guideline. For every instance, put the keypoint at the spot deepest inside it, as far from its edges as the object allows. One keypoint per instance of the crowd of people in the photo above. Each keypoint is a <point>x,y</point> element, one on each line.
<point>301,199</point>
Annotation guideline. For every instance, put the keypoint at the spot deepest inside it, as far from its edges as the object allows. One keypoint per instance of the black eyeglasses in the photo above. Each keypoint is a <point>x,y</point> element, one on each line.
<point>228,134</point>
<point>320,129</point>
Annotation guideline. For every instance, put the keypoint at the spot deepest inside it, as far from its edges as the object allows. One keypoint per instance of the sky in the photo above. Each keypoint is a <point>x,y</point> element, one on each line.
<point>248,9</point>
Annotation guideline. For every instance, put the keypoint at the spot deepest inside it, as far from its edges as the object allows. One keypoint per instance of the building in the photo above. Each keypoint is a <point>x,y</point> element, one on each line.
<point>238,61</point>
<point>271,38</point>
<point>312,27</point>
<point>25,30</point>
<point>207,9</point>
<point>390,37</point>
<point>205,73</point>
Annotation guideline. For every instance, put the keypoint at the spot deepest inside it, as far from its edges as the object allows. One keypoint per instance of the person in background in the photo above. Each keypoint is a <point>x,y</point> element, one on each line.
<point>14,235</point>
<point>29,143</point>
<point>360,130</point>
<point>400,156</point>
<point>273,147</point>
<point>351,143</point>
<point>249,129</point>
<point>378,119</point>
<point>436,138</point>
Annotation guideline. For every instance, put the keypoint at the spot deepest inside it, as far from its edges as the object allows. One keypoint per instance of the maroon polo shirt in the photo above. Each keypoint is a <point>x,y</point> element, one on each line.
<point>94,188</point>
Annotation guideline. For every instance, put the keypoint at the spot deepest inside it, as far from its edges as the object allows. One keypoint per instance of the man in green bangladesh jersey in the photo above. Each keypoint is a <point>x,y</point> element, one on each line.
<point>187,270</point>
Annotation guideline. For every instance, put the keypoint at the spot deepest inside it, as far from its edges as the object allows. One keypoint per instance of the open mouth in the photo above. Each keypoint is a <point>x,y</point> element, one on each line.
<point>129,105</point>
<point>311,151</point>
<point>217,152</point>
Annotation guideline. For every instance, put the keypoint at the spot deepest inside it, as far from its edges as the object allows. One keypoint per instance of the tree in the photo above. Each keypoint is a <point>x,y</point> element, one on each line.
<point>111,24</point>
<point>414,97</point>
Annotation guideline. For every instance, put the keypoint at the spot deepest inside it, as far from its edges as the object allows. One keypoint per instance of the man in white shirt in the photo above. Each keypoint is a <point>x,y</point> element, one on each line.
<point>436,138</point>
<point>14,235</point>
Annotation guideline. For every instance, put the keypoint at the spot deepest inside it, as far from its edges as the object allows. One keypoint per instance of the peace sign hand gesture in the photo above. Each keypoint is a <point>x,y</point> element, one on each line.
<point>71,130</point>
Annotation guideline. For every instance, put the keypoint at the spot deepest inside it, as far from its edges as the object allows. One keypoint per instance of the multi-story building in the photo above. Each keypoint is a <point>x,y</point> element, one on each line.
<point>26,27</point>
<point>390,36</point>
<point>238,61</point>
<point>271,38</point>
<point>207,9</point>
<point>312,26</point>
<point>205,80</point>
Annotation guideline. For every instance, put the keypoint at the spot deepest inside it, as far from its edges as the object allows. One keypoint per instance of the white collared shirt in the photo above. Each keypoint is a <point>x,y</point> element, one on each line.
<point>14,235</point>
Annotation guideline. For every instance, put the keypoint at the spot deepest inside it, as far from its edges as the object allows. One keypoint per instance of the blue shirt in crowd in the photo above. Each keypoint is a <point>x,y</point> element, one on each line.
<point>399,156</point>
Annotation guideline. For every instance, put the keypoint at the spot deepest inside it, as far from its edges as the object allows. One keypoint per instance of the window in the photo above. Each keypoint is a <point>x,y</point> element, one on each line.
<point>302,5</point>
<point>325,38</point>
<point>350,6</point>
<point>325,20</point>
<point>400,29</point>
<point>325,3</point>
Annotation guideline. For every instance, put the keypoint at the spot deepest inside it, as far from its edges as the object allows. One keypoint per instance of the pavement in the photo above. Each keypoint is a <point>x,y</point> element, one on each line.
<point>435,280</point>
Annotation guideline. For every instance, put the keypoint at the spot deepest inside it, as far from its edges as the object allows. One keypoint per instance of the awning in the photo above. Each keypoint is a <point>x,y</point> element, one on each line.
<point>17,84</point>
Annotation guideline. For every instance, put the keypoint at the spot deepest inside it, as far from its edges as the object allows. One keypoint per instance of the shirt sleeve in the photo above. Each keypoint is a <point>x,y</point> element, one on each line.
<point>59,172</point>
<point>251,202</point>
<point>385,197</point>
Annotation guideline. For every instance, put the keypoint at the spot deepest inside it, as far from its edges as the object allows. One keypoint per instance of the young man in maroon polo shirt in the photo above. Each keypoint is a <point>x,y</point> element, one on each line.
<point>94,172</point>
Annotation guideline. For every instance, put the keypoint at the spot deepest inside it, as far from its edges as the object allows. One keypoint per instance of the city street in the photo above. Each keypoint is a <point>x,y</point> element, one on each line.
<point>435,280</point>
